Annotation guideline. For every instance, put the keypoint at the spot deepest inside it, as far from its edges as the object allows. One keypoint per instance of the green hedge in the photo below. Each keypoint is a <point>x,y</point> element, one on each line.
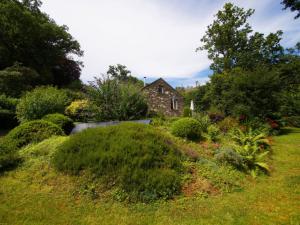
<point>8,156</point>
<point>187,128</point>
<point>138,159</point>
<point>33,132</point>
<point>62,121</point>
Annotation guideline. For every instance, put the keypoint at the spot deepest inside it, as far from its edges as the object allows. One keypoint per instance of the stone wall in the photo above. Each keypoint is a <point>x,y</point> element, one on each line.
<point>162,102</point>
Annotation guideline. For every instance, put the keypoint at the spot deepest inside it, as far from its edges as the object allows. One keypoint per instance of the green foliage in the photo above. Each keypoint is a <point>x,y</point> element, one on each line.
<point>8,156</point>
<point>213,133</point>
<point>122,74</point>
<point>204,121</point>
<point>231,157</point>
<point>115,101</point>
<point>187,128</point>
<point>133,157</point>
<point>40,102</point>
<point>79,110</point>
<point>251,146</point>
<point>229,42</point>
<point>7,112</point>
<point>228,124</point>
<point>17,79</point>
<point>223,177</point>
<point>65,123</point>
<point>294,5</point>
<point>33,132</point>
<point>293,121</point>
<point>187,112</point>
<point>35,40</point>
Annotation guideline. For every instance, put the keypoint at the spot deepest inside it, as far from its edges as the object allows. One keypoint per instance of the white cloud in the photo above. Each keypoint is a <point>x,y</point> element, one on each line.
<point>151,37</point>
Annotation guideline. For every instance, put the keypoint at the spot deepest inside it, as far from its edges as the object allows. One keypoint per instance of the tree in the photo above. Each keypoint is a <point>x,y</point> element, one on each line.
<point>229,42</point>
<point>294,5</point>
<point>34,39</point>
<point>122,74</point>
<point>18,79</point>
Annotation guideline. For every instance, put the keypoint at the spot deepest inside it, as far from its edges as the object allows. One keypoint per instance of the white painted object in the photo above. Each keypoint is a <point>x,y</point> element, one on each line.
<point>192,106</point>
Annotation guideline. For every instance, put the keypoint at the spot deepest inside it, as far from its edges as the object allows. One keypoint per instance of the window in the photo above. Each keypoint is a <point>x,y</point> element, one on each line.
<point>174,103</point>
<point>161,89</point>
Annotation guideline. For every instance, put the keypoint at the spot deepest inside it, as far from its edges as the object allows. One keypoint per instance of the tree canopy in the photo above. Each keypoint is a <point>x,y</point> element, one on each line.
<point>30,37</point>
<point>294,5</point>
<point>230,41</point>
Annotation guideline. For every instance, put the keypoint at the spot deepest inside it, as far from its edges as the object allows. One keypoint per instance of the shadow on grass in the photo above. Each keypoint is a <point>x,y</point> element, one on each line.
<point>288,130</point>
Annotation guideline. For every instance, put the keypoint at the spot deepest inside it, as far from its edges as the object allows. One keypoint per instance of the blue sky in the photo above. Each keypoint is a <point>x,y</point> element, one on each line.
<point>157,38</point>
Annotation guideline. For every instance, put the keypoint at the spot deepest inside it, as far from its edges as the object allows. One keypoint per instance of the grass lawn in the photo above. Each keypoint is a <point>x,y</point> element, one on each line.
<point>35,194</point>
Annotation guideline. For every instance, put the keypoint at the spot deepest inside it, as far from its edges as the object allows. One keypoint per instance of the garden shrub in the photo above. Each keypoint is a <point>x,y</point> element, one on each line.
<point>230,157</point>
<point>203,120</point>
<point>62,121</point>
<point>213,133</point>
<point>8,156</point>
<point>186,128</point>
<point>138,159</point>
<point>216,117</point>
<point>79,110</point>
<point>187,112</point>
<point>33,132</point>
<point>40,102</point>
<point>227,124</point>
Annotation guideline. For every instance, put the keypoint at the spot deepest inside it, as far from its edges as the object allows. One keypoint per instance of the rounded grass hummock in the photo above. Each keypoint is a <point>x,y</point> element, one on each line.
<point>33,132</point>
<point>136,158</point>
<point>60,120</point>
<point>188,128</point>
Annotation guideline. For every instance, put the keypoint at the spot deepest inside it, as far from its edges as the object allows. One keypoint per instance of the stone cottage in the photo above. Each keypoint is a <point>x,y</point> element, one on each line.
<point>163,98</point>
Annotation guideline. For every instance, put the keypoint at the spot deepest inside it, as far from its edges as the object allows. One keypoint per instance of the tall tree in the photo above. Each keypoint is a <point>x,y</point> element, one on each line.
<point>32,38</point>
<point>122,74</point>
<point>229,42</point>
<point>294,5</point>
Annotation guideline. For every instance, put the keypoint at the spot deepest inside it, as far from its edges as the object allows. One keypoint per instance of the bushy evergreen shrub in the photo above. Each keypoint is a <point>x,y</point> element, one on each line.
<point>228,124</point>
<point>137,158</point>
<point>40,102</point>
<point>33,132</point>
<point>79,110</point>
<point>186,128</point>
<point>60,120</point>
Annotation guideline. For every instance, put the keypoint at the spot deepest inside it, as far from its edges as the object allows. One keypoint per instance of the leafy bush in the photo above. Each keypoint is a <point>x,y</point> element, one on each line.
<point>293,121</point>
<point>227,124</point>
<point>213,133</point>
<point>231,157</point>
<point>251,146</point>
<point>79,110</point>
<point>8,156</point>
<point>216,117</point>
<point>187,128</point>
<point>136,158</point>
<point>116,101</point>
<point>204,121</point>
<point>8,112</point>
<point>40,102</point>
<point>62,121</point>
<point>33,132</point>
<point>187,112</point>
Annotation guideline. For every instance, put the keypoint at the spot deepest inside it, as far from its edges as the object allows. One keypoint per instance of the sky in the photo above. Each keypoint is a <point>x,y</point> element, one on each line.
<point>157,38</point>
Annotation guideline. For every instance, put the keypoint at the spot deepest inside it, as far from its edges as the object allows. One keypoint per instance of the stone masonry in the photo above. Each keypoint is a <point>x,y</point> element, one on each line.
<point>163,98</point>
